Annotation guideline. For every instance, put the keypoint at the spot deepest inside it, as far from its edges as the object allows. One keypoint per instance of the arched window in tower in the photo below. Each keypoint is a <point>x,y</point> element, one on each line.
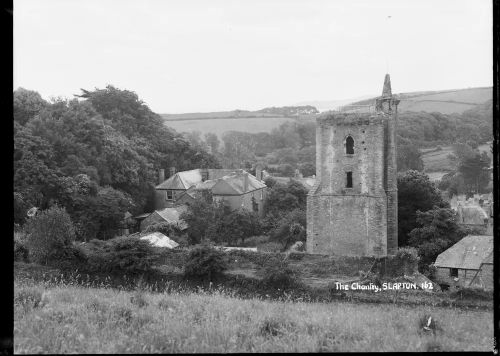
<point>349,145</point>
<point>348,181</point>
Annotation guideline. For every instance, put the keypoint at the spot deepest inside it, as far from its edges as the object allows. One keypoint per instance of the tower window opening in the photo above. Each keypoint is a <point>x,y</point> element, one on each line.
<point>348,183</point>
<point>349,145</point>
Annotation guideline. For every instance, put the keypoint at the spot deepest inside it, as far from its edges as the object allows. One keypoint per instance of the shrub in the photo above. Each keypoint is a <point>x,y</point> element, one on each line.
<point>163,227</point>
<point>278,274</point>
<point>275,326</point>
<point>472,294</point>
<point>121,254</point>
<point>28,297</point>
<point>49,233</point>
<point>407,258</point>
<point>205,262</point>
<point>271,246</point>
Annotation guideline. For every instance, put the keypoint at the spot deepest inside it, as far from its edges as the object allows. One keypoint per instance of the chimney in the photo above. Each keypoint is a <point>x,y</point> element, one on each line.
<point>161,176</point>
<point>258,172</point>
<point>172,171</point>
<point>245,186</point>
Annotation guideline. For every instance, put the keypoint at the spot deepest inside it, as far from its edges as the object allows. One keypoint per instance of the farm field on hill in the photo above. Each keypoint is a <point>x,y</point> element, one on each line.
<point>437,164</point>
<point>219,126</point>
<point>71,319</point>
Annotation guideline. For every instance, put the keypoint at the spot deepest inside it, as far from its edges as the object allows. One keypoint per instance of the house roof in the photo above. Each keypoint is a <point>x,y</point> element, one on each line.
<point>489,259</point>
<point>468,253</point>
<point>172,215</point>
<point>181,180</point>
<point>159,240</point>
<point>186,179</point>
<point>234,184</point>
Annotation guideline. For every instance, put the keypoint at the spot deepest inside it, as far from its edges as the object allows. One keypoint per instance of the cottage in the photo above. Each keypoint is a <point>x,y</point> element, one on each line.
<point>168,191</point>
<point>236,188</point>
<point>469,262</point>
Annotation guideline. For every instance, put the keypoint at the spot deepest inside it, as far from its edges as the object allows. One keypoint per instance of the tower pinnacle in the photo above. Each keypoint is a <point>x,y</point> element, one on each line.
<point>387,86</point>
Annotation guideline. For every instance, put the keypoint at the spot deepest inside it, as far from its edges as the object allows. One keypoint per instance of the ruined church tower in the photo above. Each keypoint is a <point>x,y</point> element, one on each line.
<point>352,208</point>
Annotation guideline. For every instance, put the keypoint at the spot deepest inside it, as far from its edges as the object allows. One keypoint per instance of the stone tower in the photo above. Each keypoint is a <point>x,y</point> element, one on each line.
<point>352,208</point>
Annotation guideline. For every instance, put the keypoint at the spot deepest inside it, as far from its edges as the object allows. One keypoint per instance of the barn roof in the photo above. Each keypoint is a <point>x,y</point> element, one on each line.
<point>468,253</point>
<point>489,259</point>
<point>172,215</point>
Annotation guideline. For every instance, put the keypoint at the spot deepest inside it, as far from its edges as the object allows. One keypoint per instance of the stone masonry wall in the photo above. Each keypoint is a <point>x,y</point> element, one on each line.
<point>349,221</point>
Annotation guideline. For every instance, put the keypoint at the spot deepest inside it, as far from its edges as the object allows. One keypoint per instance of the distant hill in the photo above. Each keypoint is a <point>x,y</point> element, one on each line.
<point>327,105</point>
<point>443,101</point>
<point>285,111</point>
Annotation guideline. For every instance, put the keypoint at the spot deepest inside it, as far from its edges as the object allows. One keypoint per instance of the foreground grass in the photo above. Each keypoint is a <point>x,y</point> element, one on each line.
<point>69,319</point>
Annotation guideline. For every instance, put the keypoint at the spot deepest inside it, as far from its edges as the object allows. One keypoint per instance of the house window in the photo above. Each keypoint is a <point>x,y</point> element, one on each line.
<point>348,182</point>
<point>170,195</point>
<point>453,272</point>
<point>349,145</point>
<point>204,176</point>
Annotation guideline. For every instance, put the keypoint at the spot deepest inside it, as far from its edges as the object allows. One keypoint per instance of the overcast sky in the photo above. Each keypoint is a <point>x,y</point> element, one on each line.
<point>194,56</point>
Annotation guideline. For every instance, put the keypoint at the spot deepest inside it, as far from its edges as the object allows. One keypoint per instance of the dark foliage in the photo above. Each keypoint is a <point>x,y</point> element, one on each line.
<point>121,255</point>
<point>205,263</point>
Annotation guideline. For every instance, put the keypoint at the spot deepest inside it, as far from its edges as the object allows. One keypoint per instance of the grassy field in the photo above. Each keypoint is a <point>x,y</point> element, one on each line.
<point>219,126</point>
<point>70,319</point>
<point>443,101</point>
<point>437,164</point>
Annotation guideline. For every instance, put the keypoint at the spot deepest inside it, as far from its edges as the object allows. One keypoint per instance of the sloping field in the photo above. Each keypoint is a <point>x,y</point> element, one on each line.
<point>443,101</point>
<point>220,125</point>
<point>71,319</point>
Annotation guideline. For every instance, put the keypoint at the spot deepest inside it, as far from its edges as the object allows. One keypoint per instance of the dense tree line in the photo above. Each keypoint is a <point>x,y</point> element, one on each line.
<point>292,145</point>
<point>96,155</point>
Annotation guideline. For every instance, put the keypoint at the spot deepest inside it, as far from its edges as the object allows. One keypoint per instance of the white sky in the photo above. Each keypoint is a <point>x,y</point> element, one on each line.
<point>195,56</point>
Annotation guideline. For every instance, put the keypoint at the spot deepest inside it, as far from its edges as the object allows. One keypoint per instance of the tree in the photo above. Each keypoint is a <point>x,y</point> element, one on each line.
<point>409,158</point>
<point>213,142</point>
<point>290,228</point>
<point>436,231</point>
<point>49,233</point>
<point>415,192</point>
<point>198,217</point>
<point>27,104</point>
<point>205,262</point>
<point>233,226</point>
<point>475,173</point>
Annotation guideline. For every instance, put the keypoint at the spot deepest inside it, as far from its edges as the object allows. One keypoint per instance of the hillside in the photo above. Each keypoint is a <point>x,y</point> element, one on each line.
<point>443,101</point>
<point>285,111</point>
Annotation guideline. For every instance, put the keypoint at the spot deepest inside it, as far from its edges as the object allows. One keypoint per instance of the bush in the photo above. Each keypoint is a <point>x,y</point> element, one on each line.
<point>28,297</point>
<point>271,246</point>
<point>404,262</point>
<point>164,227</point>
<point>48,233</point>
<point>121,254</point>
<point>205,262</point>
<point>278,274</point>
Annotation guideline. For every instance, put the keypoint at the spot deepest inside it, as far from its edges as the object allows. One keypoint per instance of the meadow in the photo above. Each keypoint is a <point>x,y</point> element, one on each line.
<point>220,125</point>
<point>73,319</point>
